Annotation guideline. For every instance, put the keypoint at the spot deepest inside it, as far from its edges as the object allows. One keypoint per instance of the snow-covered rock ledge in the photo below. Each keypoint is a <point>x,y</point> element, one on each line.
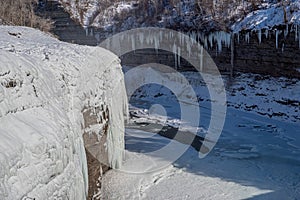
<point>46,88</point>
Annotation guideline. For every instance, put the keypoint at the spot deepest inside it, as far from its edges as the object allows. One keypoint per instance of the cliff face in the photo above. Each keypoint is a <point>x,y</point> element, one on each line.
<point>253,50</point>
<point>56,100</point>
<point>64,27</point>
<point>270,52</point>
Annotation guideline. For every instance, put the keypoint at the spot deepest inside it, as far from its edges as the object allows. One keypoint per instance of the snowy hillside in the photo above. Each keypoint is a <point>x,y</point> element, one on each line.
<point>270,15</point>
<point>200,15</point>
<point>116,16</point>
<point>45,85</point>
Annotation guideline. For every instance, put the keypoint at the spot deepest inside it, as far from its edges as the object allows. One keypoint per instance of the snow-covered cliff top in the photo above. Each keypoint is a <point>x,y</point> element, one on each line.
<point>44,86</point>
<point>116,16</point>
<point>270,15</point>
<point>184,15</point>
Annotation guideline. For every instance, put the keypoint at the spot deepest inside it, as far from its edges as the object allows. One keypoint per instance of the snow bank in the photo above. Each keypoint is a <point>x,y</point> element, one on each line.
<point>44,86</point>
<point>272,15</point>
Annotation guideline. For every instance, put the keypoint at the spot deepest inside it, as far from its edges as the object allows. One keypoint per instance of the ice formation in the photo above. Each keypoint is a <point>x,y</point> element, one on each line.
<point>269,19</point>
<point>259,36</point>
<point>175,55</point>
<point>181,45</point>
<point>201,58</point>
<point>178,54</point>
<point>267,33</point>
<point>44,86</point>
<point>247,37</point>
<point>220,38</point>
<point>286,31</point>
<point>276,35</point>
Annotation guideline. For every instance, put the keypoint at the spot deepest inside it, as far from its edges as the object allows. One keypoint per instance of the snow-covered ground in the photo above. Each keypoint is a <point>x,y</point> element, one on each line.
<point>44,86</point>
<point>270,15</point>
<point>272,97</point>
<point>256,157</point>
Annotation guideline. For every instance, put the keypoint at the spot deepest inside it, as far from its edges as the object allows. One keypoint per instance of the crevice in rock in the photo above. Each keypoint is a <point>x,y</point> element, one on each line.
<point>95,138</point>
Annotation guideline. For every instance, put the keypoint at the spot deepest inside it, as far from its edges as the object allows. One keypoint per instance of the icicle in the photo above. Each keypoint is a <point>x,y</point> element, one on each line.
<point>175,55</point>
<point>201,58</point>
<point>86,31</point>
<point>193,36</point>
<point>141,38</point>
<point>282,49</point>
<point>247,37</point>
<point>267,33</point>
<point>286,31</point>
<point>188,47</point>
<point>219,41</point>
<point>205,42</point>
<point>259,36</point>
<point>132,42</point>
<point>160,35</point>
<point>156,44</point>
<point>203,36</point>
<point>276,33</point>
<point>238,37</point>
<point>178,53</point>
<point>92,32</point>
<point>199,36</point>
<point>151,39</point>
<point>181,38</point>
<point>228,39</point>
<point>147,40</point>
<point>210,39</point>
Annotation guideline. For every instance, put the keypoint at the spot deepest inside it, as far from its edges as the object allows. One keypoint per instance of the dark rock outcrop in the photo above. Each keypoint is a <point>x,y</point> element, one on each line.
<point>65,28</point>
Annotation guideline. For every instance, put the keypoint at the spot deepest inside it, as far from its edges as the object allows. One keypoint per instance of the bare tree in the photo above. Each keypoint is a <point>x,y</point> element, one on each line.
<point>21,12</point>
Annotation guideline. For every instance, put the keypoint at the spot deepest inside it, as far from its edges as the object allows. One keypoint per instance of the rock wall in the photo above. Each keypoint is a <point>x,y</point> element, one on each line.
<point>263,57</point>
<point>64,27</point>
<point>250,55</point>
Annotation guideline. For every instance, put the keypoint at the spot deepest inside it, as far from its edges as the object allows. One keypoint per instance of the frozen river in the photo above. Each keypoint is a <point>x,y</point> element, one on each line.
<point>256,156</point>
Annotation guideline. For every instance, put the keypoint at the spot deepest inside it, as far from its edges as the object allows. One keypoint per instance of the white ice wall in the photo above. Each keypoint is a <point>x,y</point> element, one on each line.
<point>44,86</point>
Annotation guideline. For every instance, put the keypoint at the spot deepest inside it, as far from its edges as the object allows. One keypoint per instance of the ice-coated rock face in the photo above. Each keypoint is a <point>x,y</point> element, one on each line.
<point>45,85</point>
